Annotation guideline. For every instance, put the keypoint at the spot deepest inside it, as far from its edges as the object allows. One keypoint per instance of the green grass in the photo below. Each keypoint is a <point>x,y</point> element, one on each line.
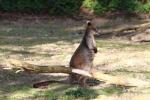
<point>83,93</point>
<point>110,90</point>
<point>27,92</point>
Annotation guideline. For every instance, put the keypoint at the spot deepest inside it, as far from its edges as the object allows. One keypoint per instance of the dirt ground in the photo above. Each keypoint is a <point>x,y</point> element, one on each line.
<point>52,41</point>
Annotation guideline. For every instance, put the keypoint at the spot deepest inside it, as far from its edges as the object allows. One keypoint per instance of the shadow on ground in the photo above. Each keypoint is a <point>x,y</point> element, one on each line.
<point>12,85</point>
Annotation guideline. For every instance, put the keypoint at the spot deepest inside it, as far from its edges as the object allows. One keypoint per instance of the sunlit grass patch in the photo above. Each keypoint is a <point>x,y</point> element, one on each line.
<point>147,75</point>
<point>110,90</point>
<point>48,95</point>
<point>145,90</point>
<point>148,62</point>
<point>134,74</point>
<point>15,92</point>
<point>112,44</point>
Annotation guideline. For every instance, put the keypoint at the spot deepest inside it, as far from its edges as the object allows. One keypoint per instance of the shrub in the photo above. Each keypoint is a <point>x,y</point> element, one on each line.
<point>38,6</point>
<point>127,6</point>
<point>29,6</point>
<point>144,8</point>
<point>61,7</point>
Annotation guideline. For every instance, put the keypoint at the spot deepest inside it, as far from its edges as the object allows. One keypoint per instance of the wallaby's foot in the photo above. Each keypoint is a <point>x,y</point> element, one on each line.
<point>88,82</point>
<point>85,81</point>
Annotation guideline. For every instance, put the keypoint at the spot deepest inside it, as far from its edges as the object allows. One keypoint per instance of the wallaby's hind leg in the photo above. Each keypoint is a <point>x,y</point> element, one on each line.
<point>84,81</point>
<point>92,82</point>
<point>73,78</point>
<point>87,82</point>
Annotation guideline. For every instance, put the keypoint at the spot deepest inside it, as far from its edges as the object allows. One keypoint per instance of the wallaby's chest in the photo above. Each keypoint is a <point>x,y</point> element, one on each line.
<point>82,57</point>
<point>84,54</point>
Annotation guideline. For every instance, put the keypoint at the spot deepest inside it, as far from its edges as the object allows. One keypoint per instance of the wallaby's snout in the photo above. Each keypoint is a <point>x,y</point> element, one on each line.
<point>91,27</point>
<point>96,32</point>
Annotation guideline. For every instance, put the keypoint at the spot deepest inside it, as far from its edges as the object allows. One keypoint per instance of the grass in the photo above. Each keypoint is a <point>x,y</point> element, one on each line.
<point>27,92</point>
<point>110,90</point>
<point>135,74</point>
<point>112,44</point>
<point>53,42</point>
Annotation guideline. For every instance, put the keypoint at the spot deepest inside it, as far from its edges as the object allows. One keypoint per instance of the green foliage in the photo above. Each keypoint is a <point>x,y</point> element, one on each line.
<point>89,4</point>
<point>95,5</point>
<point>28,6</point>
<point>63,7</point>
<point>58,7</point>
<point>127,6</point>
<point>144,8</point>
<point>123,5</point>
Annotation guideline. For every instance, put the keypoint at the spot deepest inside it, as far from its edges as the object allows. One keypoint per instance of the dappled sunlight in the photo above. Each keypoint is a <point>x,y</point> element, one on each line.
<point>53,42</point>
<point>21,94</point>
<point>53,48</point>
<point>53,91</point>
<point>130,60</point>
<point>19,86</point>
<point>17,37</point>
<point>60,53</point>
<point>75,29</point>
<point>28,33</point>
<point>47,55</point>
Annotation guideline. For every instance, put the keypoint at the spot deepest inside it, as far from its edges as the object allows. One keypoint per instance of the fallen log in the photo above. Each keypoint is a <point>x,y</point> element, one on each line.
<point>138,28</point>
<point>20,65</point>
<point>109,79</point>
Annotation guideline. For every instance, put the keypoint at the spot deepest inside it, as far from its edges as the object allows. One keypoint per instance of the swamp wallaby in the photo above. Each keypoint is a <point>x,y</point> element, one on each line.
<point>84,55</point>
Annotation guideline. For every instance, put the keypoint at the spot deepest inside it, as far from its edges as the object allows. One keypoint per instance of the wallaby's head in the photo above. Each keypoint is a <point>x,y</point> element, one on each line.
<point>91,28</point>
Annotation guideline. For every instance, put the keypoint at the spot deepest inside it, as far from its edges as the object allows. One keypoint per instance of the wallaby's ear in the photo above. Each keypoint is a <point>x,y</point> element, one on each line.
<point>89,23</point>
<point>91,27</point>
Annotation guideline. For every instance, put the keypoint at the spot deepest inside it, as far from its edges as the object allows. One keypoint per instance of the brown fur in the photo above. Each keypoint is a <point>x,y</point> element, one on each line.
<point>84,55</point>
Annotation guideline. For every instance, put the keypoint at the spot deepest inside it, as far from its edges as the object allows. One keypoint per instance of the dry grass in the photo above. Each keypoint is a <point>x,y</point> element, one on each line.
<point>53,42</point>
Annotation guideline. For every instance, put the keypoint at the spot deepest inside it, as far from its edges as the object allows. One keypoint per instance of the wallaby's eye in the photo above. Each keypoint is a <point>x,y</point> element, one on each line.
<point>95,31</point>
